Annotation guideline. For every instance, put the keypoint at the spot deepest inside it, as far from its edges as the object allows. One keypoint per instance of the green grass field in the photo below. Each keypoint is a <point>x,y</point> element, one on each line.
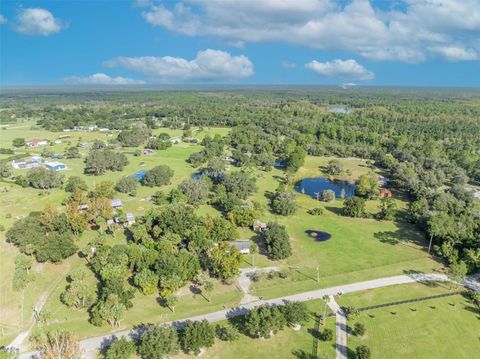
<point>359,249</point>
<point>441,328</point>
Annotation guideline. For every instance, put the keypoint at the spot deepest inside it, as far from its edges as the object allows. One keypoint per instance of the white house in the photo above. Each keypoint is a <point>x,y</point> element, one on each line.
<point>37,143</point>
<point>243,245</point>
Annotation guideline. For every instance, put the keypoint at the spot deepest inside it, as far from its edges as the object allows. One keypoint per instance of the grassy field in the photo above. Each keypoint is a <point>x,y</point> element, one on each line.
<point>359,249</point>
<point>440,328</point>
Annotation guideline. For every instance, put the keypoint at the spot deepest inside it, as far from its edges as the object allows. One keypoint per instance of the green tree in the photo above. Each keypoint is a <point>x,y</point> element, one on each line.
<point>197,335</point>
<point>359,329</point>
<point>158,176</point>
<point>283,203</point>
<point>387,208</point>
<point>239,184</point>
<point>5,170</point>
<point>226,333</point>
<point>75,182</point>
<point>111,310</point>
<point>328,195</point>
<point>42,178</point>
<point>103,160</point>
<point>146,280</point>
<point>158,342</point>
<point>362,352</point>
<point>277,241</point>
<point>354,207</point>
<point>78,293</point>
<point>295,313</point>
<point>104,189</point>
<point>72,152</point>
<point>120,349</point>
<point>457,271</point>
<point>334,167</point>
<point>263,321</point>
<point>208,288</point>
<point>224,260</point>
<point>196,191</point>
<point>126,184</point>
<point>18,142</point>
<point>367,186</point>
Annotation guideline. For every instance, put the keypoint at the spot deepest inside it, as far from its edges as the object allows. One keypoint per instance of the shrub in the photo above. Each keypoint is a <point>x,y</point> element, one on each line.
<point>318,211</point>
<point>359,329</point>
<point>326,335</point>
<point>362,352</point>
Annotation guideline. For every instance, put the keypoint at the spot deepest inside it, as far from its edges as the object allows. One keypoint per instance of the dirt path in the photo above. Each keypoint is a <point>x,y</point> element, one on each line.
<point>20,340</point>
<point>341,348</point>
<point>245,280</point>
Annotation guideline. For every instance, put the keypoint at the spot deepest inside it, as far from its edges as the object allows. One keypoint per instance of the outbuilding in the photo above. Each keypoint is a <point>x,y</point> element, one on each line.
<point>116,203</point>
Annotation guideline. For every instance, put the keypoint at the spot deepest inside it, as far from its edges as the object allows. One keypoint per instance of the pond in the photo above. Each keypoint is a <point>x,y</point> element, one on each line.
<point>312,186</point>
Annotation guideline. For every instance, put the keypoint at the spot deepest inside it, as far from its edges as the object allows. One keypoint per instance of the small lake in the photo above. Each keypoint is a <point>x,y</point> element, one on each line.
<point>312,186</point>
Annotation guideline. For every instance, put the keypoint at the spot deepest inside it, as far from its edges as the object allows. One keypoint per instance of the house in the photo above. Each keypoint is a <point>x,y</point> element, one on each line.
<point>230,159</point>
<point>83,207</point>
<point>385,193</point>
<point>26,163</point>
<point>382,181</point>
<point>126,221</point>
<point>116,203</point>
<point>55,166</point>
<point>57,142</point>
<point>104,129</point>
<point>243,245</point>
<point>37,143</point>
<point>175,140</point>
<point>83,145</point>
<point>259,226</point>
<point>130,219</point>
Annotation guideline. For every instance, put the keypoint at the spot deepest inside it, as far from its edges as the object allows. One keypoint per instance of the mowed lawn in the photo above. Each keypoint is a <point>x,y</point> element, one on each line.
<point>441,328</point>
<point>358,248</point>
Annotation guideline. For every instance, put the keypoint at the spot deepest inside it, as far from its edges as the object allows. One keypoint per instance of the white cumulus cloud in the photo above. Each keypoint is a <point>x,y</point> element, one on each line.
<point>343,69</point>
<point>101,79</point>
<point>208,65</point>
<point>411,33</point>
<point>3,19</point>
<point>37,21</point>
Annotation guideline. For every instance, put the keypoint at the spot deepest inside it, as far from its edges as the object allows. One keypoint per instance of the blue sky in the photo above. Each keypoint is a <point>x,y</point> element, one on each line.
<point>313,42</point>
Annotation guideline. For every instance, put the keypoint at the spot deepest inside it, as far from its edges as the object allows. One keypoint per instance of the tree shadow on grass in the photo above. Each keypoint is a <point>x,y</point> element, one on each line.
<point>336,210</point>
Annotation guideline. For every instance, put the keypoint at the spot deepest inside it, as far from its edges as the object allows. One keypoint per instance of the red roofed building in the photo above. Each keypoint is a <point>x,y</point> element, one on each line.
<point>385,193</point>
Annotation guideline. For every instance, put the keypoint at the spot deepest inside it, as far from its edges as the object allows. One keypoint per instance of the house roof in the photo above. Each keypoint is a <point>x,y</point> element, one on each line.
<point>130,216</point>
<point>116,202</point>
<point>241,244</point>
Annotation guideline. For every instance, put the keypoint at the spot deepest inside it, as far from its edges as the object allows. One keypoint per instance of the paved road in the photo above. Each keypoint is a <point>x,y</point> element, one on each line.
<point>91,345</point>
<point>341,348</point>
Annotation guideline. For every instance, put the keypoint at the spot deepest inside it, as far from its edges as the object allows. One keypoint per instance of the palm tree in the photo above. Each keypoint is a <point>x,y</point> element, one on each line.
<point>208,287</point>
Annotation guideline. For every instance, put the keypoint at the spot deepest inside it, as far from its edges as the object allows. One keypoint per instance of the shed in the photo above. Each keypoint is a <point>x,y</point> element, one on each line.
<point>242,245</point>
<point>116,203</point>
